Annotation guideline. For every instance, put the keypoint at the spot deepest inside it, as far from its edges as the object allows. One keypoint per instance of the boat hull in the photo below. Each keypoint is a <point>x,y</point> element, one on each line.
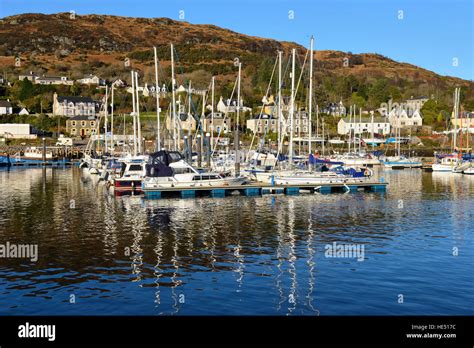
<point>128,185</point>
<point>150,185</point>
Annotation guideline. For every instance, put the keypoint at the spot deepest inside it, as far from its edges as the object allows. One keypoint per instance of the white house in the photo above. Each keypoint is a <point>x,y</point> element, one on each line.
<point>263,123</point>
<point>117,83</point>
<point>91,80</point>
<point>400,117</point>
<point>53,80</point>
<point>23,111</point>
<point>74,106</point>
<point>31,76</point>
<point>5,107</point>
<point>380,125</point>
<point>231,105</point>
<point>16,131</point>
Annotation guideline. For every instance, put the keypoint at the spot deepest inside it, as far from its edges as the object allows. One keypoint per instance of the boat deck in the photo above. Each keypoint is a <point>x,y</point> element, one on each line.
<point>258,189</point>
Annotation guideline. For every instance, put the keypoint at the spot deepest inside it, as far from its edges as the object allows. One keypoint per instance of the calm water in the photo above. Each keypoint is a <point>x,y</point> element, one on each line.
<point>236,255</point>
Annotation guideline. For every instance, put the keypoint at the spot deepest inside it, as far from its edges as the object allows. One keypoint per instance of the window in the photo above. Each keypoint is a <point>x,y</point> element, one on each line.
<point>182,171</point>
<point>135,167</point>
<point>73,123</point>
<point>205,177</point>
<point>92,123</point>
<point>73,131</point>
<point>83,123</point>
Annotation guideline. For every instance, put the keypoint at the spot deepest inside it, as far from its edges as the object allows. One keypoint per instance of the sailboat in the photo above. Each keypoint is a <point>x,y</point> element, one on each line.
<point>448,163</point>
<point>313,174</point>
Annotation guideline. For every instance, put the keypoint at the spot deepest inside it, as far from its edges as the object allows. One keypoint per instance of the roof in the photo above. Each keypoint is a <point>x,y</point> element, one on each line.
<point>4,103</point>
<point>366,120</point>
<point>217,115</point>
<point>263,117</point>
<point>82,118</point>
<point>74,99</point>
<point>50,78</point>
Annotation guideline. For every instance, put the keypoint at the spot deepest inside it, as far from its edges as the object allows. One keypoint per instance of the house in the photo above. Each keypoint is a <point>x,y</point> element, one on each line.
<point>416,103</point>
<point>83,126</point>
<point>218,123</point>
<point>91,80</point>
<point>263,123</point>
<point>186,121</point>
<point>231,105</point>
<point>410,105</point>
<point>31,76</point>
<point>301,123</point>
<point>5,107</point>
<point>402,117</point>
<point>74,106</point>
<point>117,83</point>
<point>465,120</point>
<point>53,80</point>
<point>335,109</point>
<point>23,111</point>
<point>380,125</point>
<point>16,131</point>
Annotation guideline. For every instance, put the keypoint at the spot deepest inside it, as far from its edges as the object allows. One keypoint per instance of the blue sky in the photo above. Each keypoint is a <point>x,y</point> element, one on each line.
<point>433,34</point>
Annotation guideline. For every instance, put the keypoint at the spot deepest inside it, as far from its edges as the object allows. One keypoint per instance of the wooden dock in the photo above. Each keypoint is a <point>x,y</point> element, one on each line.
<point>259,189</point>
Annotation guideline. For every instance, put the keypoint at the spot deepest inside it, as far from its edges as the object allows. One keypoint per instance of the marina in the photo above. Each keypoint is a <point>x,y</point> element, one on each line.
<point>171,170</point>
<point>236,255</point>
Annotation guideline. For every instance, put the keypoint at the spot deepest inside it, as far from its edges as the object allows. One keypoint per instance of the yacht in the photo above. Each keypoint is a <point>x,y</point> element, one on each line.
<point>446,164</point>
<point>401,162</point>
<point>166,169</point>
<point>129,174</point>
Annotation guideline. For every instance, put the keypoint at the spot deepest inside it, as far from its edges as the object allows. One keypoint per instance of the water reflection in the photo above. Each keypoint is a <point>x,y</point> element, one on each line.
<point>234,255</point>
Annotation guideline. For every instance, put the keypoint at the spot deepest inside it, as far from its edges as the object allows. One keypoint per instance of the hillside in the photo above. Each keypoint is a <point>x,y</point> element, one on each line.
<point>59,44</point>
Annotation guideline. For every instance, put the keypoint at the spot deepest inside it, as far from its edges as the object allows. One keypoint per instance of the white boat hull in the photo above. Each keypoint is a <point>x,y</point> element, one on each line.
<point>157,183</point>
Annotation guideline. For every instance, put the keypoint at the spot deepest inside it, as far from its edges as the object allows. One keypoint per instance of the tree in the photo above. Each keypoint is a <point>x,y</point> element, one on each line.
<point>379,93</point>
<point>27,90</point>
<point>357,100</point>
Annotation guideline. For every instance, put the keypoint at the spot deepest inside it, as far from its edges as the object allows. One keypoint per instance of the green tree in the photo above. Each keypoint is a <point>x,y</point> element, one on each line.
<point>379,93</point>
<point>357,100</point>
<point>27,90</point>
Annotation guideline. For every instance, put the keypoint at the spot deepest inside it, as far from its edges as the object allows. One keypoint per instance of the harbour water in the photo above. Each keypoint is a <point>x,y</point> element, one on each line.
<point>99,254</point>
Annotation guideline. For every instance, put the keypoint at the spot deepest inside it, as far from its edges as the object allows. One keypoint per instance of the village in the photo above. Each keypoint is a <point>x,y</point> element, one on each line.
<point>79,116</point>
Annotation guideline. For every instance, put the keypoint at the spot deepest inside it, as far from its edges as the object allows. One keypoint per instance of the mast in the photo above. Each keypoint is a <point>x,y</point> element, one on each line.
<point>292,105</point>
<point>323,137</point>
<point>350,131</point>
<point>173,85</point>
<point>133,116</point>
<point>106,117</point>
<point>139,128</point>
<point>212,110</point>
<point>372,130</point>
<point>456,99</point>
<point>189,103</point>
<point>157,91</point>
<point>236,138</point>
<point>112,120</point>
<point>279,103</point>
<point>310,92</point>
<point>360,128</point>
<point>399,134</point>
